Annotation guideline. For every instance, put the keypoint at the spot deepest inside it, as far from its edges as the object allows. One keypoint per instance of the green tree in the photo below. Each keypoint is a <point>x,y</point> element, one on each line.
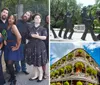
<point>40,6</point>
<point>59,9</point>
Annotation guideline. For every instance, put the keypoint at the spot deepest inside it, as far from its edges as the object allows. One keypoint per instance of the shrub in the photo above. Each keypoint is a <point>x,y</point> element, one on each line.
<point>80,51</point>
<point>59,62</point>
<point>70,56</point>
<point>52,74</point>
<point>66,83</point>
<point>79,83</point>
<point>56,72</point>
<point>69,68</point>
<point>61,70</point>
<point>94,72</point>
<point>58,83</point>
<point>89,70</point>
<point>64,58</point>
<point>90,84</point>
<point>79,65</point>
<point>53,84</point>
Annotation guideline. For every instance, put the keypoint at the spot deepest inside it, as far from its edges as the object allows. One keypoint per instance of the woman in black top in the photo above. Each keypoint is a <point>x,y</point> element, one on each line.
<point>35,51</point>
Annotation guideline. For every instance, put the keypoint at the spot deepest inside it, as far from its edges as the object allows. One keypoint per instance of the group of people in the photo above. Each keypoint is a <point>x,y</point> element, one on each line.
<point>87,20</point>
<point>23,41</point>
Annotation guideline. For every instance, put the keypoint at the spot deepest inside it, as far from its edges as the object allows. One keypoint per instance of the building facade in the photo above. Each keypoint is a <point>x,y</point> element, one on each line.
<point>75,68</point>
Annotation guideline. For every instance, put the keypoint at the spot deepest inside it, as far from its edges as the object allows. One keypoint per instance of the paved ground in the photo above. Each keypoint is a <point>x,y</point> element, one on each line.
<point>76,37</point>
<point>23,79</point>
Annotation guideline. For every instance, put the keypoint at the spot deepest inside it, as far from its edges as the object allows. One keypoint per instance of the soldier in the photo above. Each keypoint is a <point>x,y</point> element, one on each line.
<point>68,25</point>
<point>88,21</point>
<point>54,34</point>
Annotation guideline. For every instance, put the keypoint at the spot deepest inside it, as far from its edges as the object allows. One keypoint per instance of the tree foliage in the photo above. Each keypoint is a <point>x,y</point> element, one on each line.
<point>40,6</point>
<point>60,7</point>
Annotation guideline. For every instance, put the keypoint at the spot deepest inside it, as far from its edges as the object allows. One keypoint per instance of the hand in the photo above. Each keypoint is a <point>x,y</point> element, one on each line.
<point>14,48</point>
<point>1,45</point>
<point>35,35</point>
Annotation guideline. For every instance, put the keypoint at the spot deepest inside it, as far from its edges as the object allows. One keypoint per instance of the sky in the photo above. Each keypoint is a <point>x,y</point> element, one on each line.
<point>58,50</point>
<point>86,2</point>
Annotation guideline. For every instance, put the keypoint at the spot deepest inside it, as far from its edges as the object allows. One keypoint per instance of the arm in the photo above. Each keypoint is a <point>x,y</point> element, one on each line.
<point>38,36</point>
<point>1,41</point>
<point>18,36</point>
<point>43,35</point>
<point>1,45</point>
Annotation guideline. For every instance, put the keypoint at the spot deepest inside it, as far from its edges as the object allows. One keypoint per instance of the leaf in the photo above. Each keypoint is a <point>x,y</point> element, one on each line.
<point>4,34</point>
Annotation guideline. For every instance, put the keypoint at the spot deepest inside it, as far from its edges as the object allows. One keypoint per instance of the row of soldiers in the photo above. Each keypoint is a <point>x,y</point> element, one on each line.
<point>87,20</point>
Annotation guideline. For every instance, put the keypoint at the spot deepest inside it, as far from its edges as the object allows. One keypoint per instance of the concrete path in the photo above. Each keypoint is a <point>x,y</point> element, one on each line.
<point>76,37</point>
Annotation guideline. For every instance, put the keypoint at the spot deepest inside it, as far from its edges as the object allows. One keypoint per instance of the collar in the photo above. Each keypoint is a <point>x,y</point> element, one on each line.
<point>3,22</point>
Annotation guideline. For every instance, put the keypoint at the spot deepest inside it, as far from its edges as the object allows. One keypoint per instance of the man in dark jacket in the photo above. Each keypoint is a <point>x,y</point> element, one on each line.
<point>3,26</point>
<point>23,29</point>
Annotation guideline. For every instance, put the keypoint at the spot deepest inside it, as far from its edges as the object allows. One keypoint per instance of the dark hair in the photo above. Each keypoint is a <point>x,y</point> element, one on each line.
<point>46,17</point>
<point>31,14</point>
<point>36,15</point>
<point>14,18</point>
<point>5,9</point>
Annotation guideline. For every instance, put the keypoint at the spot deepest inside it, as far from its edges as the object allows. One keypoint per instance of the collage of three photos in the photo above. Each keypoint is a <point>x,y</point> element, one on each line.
<point>49,42</point>
<point>75,42</point>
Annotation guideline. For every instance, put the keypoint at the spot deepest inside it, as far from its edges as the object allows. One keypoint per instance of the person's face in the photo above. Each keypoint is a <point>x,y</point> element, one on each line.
<point>26,16</point>
<point>37,19</point>
<point>4,14</point>
<point>47,19</point>
<point>11,19</point>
